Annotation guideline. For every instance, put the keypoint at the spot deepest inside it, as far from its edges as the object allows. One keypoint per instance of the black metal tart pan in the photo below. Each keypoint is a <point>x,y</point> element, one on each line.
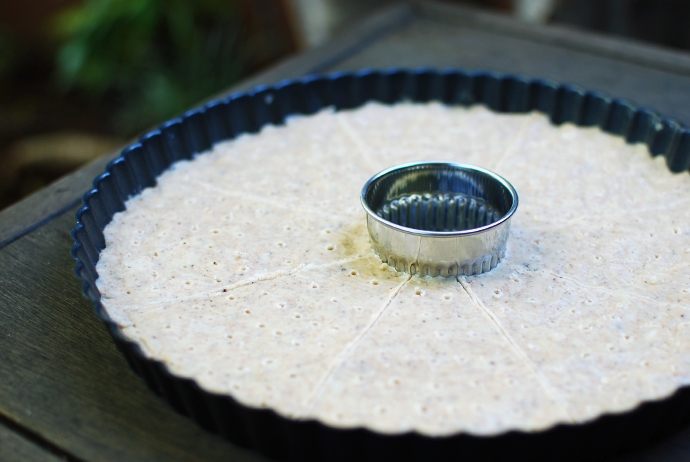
<point>309,440</point>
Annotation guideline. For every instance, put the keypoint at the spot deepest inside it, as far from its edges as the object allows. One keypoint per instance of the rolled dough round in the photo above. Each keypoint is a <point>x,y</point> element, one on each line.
<point>249,270</point>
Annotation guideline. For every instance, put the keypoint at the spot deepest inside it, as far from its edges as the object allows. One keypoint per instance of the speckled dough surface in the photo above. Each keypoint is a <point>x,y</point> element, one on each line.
<point>249,269</point>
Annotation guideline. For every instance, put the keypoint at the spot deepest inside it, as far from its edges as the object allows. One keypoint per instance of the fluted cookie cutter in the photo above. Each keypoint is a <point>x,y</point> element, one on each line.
<point>439,218</point>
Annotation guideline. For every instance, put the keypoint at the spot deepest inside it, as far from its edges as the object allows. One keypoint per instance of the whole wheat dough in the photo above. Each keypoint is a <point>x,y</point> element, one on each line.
<point>249,269</point>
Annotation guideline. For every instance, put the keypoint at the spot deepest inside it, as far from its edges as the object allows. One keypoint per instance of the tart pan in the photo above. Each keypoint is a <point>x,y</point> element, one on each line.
<point>280,438</point>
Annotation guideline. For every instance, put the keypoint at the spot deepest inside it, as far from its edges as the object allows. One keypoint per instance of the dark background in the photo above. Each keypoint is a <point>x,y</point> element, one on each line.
<point>79,78</point>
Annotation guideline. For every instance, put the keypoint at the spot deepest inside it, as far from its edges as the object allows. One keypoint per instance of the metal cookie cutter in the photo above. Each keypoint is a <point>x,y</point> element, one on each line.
<point>439,218</point>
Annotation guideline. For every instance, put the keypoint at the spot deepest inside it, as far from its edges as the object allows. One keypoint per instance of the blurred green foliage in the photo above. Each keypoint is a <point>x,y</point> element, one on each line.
<point>158,56</point>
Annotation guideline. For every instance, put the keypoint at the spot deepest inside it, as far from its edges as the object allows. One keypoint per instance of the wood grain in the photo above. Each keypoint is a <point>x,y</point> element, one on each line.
<point>16,448</point>
<point>63,377</point>
<point>614,48</point>
<point>49,202</point>
<point>435,44</point>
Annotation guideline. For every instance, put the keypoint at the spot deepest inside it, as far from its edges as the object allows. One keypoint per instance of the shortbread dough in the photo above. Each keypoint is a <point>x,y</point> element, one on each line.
<point>249,269</point>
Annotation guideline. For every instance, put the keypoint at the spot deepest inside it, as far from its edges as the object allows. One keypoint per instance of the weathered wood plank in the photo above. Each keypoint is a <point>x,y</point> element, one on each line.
<point>66,192</point>
<point>62,376</point>
<point>615,48</point>
<point>437,44</point>
<point>16,448</point>
<point>49,202</point>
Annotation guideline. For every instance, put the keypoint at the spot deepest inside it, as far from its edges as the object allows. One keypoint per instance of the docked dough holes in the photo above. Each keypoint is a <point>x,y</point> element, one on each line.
<point>278,300</point>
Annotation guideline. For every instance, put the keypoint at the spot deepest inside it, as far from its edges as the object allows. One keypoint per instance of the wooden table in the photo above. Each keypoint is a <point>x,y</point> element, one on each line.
<point>66,393</point>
